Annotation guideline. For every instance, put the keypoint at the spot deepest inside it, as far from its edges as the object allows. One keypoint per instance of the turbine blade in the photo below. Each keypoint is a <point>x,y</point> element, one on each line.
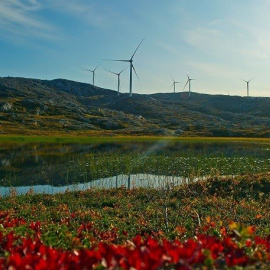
<point>246,81</point>
<point>137,75</point>
<point>136,49</point>
<point>172,78</point>
<point>97,67</point>
<point>110,71</point>
<point>123,70</point>
<point>185,85</point>
<point>87,69</point>
<point>116,60</point>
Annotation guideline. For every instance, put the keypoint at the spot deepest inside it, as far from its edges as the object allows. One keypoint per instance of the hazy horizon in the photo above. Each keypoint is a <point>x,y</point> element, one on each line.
<point>218,43</point>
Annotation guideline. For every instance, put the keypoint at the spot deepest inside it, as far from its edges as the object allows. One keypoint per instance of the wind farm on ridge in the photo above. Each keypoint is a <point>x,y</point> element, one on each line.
<point>132,68</point>
<point>98,172</point>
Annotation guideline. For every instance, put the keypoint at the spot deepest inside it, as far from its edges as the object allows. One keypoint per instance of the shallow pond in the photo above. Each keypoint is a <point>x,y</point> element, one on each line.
<point>52,168</point>
<point>125,181</point>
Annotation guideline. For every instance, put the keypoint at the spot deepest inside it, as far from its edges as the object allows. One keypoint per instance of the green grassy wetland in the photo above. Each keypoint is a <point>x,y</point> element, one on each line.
<point>58,162</point>
<point>224,179</point>
<point>171,212</point>
<point>77,194</point>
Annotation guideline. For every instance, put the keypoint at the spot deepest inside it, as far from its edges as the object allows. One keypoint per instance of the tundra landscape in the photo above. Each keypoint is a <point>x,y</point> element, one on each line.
<point>134,135</point>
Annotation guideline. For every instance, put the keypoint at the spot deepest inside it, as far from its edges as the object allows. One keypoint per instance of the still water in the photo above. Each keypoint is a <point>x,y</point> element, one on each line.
<point>119,181</point>
<point>52,168</point>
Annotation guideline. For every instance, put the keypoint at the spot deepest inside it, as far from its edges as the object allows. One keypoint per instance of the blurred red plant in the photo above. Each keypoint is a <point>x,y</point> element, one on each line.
<point>236,246</point>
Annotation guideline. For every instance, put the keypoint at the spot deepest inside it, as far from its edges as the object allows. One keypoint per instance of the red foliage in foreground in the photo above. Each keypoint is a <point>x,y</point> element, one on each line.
<point>139,254</point>
<point>239,247</point>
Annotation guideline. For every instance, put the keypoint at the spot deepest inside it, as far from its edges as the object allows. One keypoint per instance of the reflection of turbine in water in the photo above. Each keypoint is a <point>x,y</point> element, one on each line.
<point>127,180</point>
<point>157,146</point>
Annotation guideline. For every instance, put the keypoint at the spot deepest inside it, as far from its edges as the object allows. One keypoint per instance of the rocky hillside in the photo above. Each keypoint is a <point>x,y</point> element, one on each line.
<point>31,106</point>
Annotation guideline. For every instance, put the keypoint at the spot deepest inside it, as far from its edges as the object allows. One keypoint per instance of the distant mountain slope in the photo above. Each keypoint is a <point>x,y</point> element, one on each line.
<point>31,106</point>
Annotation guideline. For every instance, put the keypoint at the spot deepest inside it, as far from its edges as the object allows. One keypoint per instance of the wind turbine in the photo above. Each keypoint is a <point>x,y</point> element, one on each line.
<point>94,73</point>
<point>131,67</point>
<point>174,83</point>
<point>189,84</point>
<point>118,75</point>
<point>247,86</point>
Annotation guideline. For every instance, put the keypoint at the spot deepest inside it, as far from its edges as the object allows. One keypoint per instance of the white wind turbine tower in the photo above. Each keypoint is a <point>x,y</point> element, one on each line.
<point>174,83</point>
<point>247,82</point>
<point>94,73</point>
<point>131,67</point>
<point>118,75</point>
<point>189,84</point>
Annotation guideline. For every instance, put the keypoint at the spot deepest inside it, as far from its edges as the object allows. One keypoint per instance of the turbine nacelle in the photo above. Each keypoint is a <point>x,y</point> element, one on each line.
<point>118,75</point>
<point>93,71</point>
<point>188,83</point>
<point>247,82</point>
<point>132,68</point>
<point>174,83</point>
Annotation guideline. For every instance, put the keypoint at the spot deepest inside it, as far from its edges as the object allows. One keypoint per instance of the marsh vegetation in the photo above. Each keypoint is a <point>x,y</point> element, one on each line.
<point>205,197</point>
<point>53,167</point>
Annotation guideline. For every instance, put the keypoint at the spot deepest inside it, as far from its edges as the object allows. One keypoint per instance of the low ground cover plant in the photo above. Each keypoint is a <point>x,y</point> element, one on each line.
<point>236,246</point>
<point>216,223</point>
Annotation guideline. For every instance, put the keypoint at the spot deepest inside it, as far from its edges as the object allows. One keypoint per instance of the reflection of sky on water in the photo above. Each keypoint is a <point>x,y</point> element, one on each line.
<point>127,181</point>
<point>53,165</point>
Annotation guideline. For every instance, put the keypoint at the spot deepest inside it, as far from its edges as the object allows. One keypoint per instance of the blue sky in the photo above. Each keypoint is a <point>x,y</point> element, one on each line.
<point>217,42</point>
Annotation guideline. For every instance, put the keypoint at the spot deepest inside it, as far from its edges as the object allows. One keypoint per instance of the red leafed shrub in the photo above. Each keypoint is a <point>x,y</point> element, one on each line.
<point>237,246</point>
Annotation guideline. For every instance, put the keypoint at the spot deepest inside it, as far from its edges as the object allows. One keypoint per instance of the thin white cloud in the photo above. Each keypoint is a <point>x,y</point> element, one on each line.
<point>25,4</point>
<point>24,17</point>
<point>83,10</point>
<point>206,38</point>
<point>167,47</point>
<point>18,16</point>
<point>214,69</point>
<point>234,35</point>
